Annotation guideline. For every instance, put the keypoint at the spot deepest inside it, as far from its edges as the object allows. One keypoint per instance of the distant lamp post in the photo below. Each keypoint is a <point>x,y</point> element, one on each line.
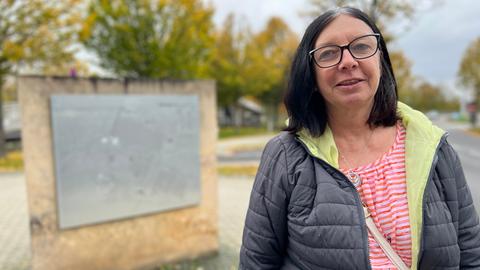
<point>472,111</point>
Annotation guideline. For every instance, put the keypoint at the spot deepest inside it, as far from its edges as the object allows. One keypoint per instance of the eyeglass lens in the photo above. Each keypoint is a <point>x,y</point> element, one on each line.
<point>360,48</point>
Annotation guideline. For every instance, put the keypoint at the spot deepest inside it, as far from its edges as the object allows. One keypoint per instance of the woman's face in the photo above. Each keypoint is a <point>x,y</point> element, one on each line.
<point>352,83</point>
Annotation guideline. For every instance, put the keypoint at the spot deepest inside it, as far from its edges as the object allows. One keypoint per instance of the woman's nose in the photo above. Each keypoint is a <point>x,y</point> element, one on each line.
<point>347,61</point>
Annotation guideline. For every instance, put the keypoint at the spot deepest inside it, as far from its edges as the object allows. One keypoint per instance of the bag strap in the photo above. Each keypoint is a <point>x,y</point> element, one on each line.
<point>384,244</point>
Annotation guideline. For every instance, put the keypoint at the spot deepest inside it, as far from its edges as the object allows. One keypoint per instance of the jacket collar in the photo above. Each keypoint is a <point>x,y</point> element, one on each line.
<point>420,130</point>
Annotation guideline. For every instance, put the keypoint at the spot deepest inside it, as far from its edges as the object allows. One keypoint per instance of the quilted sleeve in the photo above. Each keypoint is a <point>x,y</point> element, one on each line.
<point>265,230</point>
<point>468,223</point>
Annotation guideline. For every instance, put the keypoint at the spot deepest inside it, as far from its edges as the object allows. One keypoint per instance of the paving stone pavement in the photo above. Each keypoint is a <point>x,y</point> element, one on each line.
<point>233,194</point>
<point>14,234</point>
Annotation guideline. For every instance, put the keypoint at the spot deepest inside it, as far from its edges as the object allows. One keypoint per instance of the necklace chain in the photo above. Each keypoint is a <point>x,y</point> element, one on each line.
<point>352,175</point>
<point>350,167</point>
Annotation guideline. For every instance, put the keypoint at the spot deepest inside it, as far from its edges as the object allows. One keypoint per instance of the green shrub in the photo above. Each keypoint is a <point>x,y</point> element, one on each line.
<point>228,132</point>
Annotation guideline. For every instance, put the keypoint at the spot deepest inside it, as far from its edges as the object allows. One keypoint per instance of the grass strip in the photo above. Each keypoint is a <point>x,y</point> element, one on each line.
<point>238,170</point>
<point>12,161</point>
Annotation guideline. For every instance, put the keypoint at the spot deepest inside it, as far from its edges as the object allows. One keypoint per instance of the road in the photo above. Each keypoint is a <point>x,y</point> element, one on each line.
<point>468,149</point>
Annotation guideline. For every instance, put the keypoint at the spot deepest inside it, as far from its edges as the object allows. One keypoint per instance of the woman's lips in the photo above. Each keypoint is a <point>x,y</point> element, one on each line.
<point>349,84</point>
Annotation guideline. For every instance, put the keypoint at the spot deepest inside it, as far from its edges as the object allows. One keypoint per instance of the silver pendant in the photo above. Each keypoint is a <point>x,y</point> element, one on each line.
<point>355,178</point>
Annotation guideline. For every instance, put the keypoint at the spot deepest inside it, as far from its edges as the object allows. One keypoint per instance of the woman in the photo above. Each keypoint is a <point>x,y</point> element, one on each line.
<point>350,142</point>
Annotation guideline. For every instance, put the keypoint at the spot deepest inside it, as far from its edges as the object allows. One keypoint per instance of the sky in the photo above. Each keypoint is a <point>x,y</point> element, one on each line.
<point>434,41</point>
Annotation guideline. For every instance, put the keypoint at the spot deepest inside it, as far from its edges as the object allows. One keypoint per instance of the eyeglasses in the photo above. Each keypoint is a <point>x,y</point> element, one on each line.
<point>360,48</point>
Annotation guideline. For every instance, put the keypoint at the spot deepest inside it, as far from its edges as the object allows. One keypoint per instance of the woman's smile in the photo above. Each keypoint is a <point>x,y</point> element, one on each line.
<point>350,84</point>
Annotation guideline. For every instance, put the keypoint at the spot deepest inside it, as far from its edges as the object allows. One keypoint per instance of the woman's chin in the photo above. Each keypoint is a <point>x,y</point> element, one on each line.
<point>356,100</point>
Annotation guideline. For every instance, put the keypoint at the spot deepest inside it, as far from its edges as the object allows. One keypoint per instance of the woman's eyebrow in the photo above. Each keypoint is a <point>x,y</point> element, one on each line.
<point>325,44</point>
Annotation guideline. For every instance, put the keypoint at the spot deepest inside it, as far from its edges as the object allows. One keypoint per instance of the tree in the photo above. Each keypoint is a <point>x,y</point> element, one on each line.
<point>416,92</point>
<point>378,11</point>
<point>381,12</point>
<point>429,97</point>
<point>157,39</point>
<point>227,66</point>
<point>267,58</point>
<point>35,34</point>
<point>405,80</point>
<point>469,72</point>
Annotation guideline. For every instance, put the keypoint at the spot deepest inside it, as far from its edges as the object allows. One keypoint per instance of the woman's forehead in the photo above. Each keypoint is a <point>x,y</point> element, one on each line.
<point>342,30</point>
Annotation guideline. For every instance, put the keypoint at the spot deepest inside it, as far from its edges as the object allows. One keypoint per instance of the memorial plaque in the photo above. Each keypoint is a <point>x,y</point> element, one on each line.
<point>119,156</point>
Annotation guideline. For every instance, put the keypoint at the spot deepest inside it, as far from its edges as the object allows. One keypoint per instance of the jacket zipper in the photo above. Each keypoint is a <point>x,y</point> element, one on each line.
<point>357,196</point>
<point>434,164</point>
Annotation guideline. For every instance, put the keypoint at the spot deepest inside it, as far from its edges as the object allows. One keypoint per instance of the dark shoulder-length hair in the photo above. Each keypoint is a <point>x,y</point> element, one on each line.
<point>304,103</point>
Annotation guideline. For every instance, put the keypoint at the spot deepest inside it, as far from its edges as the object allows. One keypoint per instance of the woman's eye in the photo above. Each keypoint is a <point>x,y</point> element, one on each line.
<point>327,55</point>
<point>361,47</point>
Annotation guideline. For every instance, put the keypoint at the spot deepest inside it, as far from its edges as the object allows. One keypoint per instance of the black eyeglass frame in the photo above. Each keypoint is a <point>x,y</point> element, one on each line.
<point>342,48</point>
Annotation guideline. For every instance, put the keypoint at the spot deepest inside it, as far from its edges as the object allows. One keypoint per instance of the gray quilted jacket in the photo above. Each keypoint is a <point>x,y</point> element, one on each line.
<point>305,214</point>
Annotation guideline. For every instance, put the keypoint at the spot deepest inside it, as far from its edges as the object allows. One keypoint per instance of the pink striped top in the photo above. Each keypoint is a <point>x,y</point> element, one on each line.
<point>384,191</point>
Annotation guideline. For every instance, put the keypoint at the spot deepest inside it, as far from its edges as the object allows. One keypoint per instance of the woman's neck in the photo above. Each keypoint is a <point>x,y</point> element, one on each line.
<point>349,124</point>
<point>356,140</point>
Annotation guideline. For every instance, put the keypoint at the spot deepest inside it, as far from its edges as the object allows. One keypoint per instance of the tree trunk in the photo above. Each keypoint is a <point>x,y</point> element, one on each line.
<point>272,117</point>
<point>477,104</point>
<point>2,133</point>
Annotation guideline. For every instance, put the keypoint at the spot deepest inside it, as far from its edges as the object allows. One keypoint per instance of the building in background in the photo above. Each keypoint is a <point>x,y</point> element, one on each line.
<point>246,113</point>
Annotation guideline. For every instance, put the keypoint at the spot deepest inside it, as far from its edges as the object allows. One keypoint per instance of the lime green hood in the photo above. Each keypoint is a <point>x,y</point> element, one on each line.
<point>421,143</point>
